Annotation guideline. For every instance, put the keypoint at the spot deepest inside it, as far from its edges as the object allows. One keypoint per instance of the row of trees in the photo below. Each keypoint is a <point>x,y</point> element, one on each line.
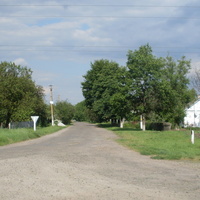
<point>21,98</point>
<point>154,87</point>
<point>149,86</point>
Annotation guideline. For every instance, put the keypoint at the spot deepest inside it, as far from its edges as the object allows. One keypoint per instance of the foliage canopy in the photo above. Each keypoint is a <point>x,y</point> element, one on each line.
<point>20,97</point>
<point>105,90</point>
<point>154,87</point>
<point>64,111</point>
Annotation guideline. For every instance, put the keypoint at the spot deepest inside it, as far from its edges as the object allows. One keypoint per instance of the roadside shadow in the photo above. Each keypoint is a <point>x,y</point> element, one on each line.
<point>117,128</point>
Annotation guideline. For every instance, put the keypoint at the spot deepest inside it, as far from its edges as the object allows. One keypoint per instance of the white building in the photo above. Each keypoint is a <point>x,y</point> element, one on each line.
<point>192,117</point>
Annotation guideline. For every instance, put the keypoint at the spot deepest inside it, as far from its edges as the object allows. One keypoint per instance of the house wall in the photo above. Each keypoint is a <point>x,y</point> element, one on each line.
<point>192,117</point>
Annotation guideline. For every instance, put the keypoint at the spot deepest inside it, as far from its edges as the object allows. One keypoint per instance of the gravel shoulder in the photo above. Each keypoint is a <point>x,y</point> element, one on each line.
<point>84,162</point>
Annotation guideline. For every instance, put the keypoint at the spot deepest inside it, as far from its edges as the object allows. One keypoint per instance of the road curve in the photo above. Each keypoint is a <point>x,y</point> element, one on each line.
<point>83,162</point>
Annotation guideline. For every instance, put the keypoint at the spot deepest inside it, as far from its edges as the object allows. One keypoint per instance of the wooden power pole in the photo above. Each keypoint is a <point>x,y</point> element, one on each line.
<point>51,103</point>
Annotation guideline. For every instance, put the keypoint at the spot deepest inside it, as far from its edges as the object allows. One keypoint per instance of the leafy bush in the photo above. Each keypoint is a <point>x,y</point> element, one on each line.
<point>163,126</point>
<point>64,111</point>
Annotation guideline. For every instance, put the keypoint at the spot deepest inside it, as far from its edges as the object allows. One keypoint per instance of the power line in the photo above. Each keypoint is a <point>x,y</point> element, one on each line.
<point>92,46</point>
<point>113,17</point>
<point>98,5</point>
<point>93,51</point>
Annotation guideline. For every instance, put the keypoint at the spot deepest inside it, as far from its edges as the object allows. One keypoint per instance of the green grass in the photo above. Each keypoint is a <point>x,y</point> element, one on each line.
<point>169,145</point>
<point>17,135</point>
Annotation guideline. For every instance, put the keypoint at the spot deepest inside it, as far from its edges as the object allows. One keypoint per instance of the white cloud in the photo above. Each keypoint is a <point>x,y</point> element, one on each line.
<point>20,61</point>
<point>89,36</point>
<point>44,77</point>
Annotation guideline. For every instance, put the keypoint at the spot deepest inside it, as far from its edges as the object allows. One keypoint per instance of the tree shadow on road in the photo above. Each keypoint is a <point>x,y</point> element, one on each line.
<point>116,128</point>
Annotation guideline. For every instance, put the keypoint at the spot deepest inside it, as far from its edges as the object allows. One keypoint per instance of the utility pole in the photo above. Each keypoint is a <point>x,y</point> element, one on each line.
<point>51,103</point>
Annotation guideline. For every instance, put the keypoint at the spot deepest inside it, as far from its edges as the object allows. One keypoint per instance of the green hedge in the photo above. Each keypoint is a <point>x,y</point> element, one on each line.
<point>162,126</point>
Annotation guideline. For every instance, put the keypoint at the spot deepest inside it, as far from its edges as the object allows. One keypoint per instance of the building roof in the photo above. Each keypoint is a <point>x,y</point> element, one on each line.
<point>194,106</point>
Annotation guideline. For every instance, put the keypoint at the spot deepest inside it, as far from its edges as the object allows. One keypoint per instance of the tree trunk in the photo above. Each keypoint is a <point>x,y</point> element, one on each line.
<point>7,120</point>
<point>143,123</point>
<point>122,123</point>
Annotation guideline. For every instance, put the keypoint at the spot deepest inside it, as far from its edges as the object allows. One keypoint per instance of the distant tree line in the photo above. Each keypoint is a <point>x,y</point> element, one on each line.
<point>155,88</point>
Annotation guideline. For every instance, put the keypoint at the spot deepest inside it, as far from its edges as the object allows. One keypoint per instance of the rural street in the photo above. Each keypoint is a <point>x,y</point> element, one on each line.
<point>84,162</point>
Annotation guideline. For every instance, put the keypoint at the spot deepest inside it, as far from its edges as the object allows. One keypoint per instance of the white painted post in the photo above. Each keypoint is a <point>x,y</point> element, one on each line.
<point>192,137</point>
<point>51,103</point>
<point>122,123</point>
<point>34,118</point>
<point>143,123</point>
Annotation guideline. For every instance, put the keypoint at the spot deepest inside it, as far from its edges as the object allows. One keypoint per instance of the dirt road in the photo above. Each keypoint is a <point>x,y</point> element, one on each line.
<point>83,162</point>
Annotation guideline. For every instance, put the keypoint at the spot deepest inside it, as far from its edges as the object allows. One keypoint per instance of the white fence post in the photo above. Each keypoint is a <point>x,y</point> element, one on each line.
<point>141,123</point>
<point>192,137</point>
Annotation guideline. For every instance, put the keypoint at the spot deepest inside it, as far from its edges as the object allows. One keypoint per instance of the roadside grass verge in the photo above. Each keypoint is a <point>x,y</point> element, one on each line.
<point>9,136</point>
<point>169,145</point>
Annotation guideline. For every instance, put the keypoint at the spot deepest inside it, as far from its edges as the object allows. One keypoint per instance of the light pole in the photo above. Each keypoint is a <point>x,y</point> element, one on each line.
<point>51,103</point>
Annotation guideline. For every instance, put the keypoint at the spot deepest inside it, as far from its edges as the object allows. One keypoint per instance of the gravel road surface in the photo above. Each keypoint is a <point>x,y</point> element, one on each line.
<point>83,162</point>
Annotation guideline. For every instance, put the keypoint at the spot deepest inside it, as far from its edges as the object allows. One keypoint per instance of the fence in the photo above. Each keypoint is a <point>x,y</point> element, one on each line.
<point>14,125</point>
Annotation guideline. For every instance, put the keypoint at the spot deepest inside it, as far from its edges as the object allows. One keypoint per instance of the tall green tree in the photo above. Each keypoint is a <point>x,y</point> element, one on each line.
<point>81,112</point>
<point>105,90</point>
<point>159,86</point>
<point>144,72</point>
<point>177,93</point>
<point>19,96</point>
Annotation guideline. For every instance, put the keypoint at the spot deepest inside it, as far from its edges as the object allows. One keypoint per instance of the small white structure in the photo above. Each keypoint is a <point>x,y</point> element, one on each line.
<point>192,117</point>
<point>34,118</point>
<point>59,123</point>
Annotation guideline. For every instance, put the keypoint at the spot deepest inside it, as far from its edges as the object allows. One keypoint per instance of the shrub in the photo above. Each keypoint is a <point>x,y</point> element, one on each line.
<point>162,126</point>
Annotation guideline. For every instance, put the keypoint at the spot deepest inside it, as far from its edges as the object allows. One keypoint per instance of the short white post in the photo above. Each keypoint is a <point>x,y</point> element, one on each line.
<point>141,124</point>
<point>192,137</point>
<point>34,118</point>
<point>122,122</point>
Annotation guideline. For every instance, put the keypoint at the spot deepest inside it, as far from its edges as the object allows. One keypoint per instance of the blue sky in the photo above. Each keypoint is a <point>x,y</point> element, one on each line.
<point>59,39</point>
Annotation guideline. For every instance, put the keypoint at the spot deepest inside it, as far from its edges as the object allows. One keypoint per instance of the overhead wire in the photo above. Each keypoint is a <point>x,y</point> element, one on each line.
<point>91,5</point>
<point>101,16</point>
<point>174,51</point>
<point>114,17</point>
<point>98,5</point>
<point>86,46</point>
